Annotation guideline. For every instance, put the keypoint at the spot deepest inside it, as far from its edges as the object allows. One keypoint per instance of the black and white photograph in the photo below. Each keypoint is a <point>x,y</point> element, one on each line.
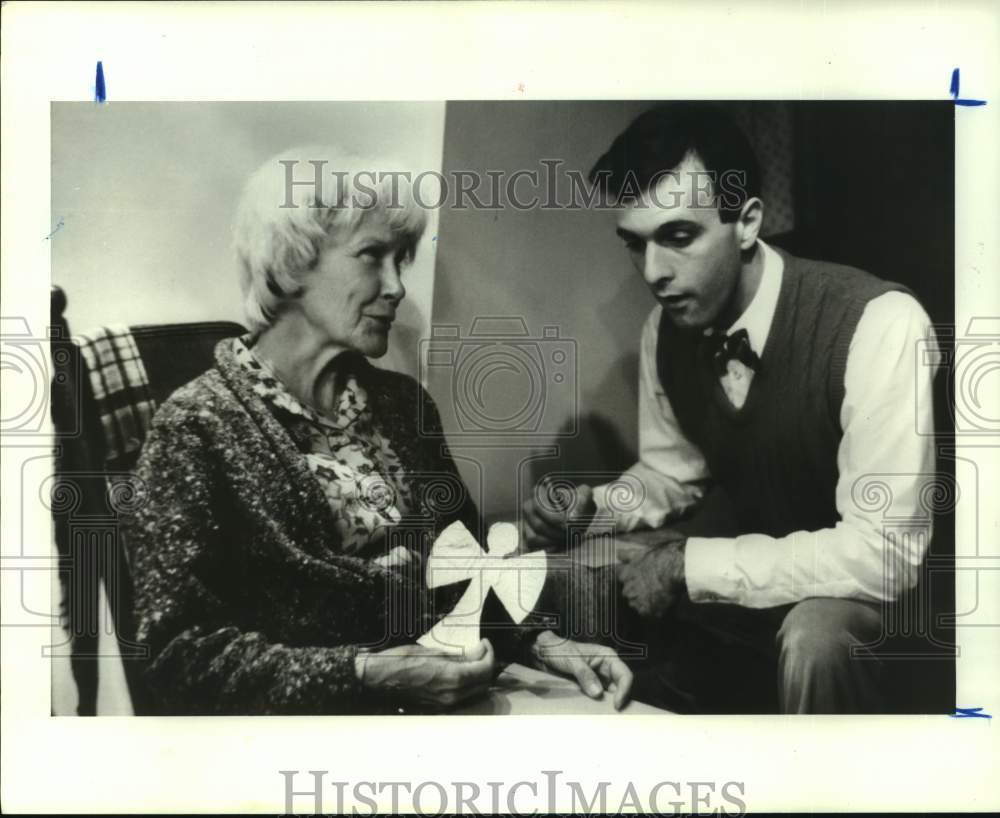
<point>666,380</point>
<point>659,415</point>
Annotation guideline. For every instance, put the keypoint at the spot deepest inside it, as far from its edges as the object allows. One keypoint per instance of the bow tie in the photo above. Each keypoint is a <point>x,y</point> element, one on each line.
<point>735,347</point>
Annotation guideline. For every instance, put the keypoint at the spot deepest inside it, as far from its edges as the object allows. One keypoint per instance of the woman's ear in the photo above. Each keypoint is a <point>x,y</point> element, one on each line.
<point>749,221</point>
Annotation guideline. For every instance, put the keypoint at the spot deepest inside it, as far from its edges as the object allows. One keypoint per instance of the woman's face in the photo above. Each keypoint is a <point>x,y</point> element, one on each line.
<point>352,293</point>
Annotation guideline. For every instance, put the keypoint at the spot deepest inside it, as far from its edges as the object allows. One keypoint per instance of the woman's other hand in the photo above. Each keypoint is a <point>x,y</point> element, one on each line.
<point>398,557</point>
<point>429,677</point>
<point>596,668</point>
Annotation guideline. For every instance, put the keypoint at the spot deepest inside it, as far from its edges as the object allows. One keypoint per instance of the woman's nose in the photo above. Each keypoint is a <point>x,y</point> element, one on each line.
<point>392,284</point>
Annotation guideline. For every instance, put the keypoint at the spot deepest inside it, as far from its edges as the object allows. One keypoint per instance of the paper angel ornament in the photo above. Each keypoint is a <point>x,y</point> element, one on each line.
<point>498,579</point>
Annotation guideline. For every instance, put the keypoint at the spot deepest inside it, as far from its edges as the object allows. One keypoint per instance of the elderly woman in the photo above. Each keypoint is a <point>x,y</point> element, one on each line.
<point>292,496</point>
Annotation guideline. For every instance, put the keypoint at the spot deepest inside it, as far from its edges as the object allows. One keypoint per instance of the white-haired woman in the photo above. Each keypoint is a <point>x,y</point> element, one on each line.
<point>294,487</point>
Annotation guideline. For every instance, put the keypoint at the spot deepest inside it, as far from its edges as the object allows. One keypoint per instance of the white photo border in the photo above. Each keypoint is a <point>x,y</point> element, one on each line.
<point>450,51</point>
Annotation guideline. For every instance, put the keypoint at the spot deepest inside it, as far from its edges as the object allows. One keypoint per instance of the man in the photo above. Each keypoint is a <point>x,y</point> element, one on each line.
<point>787,385</point>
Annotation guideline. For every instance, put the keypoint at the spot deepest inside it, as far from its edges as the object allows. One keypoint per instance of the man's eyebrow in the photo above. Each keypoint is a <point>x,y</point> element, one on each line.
<point>663,230</point>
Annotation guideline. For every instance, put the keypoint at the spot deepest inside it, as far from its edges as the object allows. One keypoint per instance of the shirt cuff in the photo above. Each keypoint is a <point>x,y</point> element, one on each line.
<point>709,569</point>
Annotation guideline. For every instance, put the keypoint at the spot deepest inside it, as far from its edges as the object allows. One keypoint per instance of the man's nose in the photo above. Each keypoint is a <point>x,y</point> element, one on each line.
<point>392,284</point>
<point>656,268</point>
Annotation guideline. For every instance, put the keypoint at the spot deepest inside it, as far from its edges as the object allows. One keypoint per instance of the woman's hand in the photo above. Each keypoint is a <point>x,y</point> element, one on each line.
<point>399,557</point>
<point>595,667</point>
<point>429,677</point>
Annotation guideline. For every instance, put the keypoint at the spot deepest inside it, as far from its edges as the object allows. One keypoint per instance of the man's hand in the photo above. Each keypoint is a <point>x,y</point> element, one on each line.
<point>653,581</point>
<point>429,677</point>
<point>595,667</point>
<point>549,511</point>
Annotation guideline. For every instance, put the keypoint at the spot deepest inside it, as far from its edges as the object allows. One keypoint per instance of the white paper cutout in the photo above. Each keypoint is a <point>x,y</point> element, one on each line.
<point>456,556</point>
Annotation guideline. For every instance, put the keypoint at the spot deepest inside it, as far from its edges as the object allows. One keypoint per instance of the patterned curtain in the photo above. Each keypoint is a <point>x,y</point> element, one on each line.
<point>768,126</point>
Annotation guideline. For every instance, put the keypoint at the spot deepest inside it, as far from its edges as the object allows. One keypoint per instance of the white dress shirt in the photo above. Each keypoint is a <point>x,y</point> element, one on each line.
<point>887,401</point>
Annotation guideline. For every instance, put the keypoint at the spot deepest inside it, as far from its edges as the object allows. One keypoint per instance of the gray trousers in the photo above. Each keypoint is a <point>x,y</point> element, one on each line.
<point>817,672</point>
<point>790,659</point>
<point>707,657</point>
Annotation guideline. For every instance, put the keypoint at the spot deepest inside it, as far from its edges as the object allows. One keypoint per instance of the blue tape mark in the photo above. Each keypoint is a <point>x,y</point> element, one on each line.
<point>58,227</point>
<point>970,713</point>
<point>954,92</point>
<point>100,90</point>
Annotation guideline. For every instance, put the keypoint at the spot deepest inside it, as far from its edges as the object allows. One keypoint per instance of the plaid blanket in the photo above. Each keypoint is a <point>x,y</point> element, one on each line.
<point>121,390</point>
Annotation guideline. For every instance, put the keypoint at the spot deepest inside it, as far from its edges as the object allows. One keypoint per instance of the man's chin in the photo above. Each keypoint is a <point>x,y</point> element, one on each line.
<point>688,322</point>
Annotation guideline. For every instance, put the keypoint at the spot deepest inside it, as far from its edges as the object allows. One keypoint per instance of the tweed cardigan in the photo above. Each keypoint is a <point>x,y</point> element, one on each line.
<point>242,594</point>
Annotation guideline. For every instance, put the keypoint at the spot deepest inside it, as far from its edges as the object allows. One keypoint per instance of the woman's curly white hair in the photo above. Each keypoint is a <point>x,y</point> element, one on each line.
<point>280,228</point>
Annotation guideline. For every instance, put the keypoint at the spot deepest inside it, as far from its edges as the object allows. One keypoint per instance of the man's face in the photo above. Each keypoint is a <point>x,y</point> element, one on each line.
<point>689,258</point>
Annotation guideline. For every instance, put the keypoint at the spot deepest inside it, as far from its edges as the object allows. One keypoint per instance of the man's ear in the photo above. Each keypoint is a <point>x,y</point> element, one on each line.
<point>749,221</point>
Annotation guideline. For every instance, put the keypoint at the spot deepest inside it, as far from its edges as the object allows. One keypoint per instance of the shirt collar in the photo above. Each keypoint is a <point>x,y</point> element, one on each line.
<point>352,404</point>
<point>759,315</point>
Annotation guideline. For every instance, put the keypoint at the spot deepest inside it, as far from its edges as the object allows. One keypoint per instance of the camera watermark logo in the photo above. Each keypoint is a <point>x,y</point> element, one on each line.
<point>973,362</point>
<point>27,368</point>
<point>501,380</point>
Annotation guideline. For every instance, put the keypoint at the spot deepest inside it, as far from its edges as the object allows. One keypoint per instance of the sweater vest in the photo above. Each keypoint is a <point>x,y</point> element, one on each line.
<point>776,456</point>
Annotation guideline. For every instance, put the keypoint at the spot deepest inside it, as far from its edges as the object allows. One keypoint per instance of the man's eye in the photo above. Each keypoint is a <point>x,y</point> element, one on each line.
<point>635,246</point>
<point>680,239</point>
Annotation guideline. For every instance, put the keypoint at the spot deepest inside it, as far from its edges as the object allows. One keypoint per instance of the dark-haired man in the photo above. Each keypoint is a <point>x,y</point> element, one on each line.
<point>788,384</point>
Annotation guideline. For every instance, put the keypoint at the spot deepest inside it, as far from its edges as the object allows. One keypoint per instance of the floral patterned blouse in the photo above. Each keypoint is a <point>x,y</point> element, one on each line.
<point>361,475</point>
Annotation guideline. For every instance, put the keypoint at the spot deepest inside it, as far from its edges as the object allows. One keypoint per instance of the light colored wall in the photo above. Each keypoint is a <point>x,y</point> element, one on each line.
<point>562,268</point>
<point>146,194</point>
